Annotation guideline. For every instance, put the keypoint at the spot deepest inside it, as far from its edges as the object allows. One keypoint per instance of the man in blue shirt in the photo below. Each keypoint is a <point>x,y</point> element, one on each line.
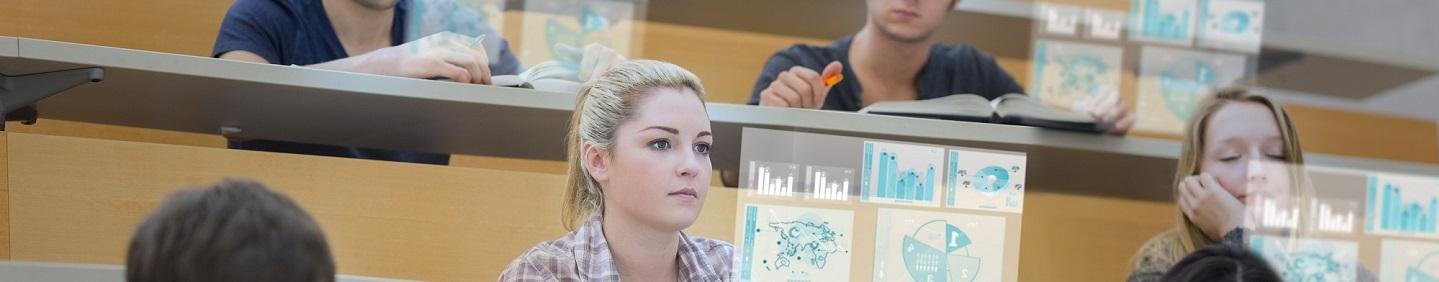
<point>895,57</point>
<point>369,36</point>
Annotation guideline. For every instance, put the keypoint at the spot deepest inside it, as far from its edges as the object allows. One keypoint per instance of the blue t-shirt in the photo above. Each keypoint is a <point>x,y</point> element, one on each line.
<point>298,32</point>
<point>951,69</point>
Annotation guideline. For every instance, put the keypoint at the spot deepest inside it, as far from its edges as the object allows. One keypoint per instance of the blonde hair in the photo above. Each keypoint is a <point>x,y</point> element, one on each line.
<point>604,103</point>
<point>1190,237</point>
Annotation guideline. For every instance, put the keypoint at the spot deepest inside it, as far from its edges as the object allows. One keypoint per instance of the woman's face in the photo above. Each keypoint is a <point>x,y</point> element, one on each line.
<point>1244,151</point>
<point>657,172</point>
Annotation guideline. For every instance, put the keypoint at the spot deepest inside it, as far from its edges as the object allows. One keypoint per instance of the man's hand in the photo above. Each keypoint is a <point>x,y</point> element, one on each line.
<point>447,55</point>
<point>799,87</point>
<point>593,60</point>
<point>1106,107</point>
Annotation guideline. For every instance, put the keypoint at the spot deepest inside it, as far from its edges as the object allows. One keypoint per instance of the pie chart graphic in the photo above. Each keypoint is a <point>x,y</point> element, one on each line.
<point>991,179</point>
<point>939,251</point>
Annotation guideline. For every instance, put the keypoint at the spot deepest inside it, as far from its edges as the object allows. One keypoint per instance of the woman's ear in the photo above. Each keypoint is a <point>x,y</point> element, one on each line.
<point>596,162</point>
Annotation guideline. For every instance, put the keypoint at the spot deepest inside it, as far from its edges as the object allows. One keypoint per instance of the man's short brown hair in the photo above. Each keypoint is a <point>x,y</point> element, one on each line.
<point>235,230</point>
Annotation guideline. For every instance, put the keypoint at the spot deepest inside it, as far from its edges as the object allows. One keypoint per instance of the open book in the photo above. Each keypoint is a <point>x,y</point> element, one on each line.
<point>1016,109</point>
<point>548,76</point>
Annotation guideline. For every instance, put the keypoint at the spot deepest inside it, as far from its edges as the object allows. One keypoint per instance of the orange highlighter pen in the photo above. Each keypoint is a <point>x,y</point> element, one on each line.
<point>831,80</point>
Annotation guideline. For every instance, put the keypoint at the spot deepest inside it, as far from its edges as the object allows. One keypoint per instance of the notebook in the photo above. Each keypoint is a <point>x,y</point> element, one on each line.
<point>1017,109</point>
<point>548,76</point>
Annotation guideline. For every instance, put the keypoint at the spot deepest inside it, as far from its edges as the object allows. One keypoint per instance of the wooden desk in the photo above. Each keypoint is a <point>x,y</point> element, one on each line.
<point>77,199</point>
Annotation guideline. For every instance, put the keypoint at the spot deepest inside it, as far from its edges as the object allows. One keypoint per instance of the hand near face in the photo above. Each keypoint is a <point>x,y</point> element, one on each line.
<point>1208,205</point>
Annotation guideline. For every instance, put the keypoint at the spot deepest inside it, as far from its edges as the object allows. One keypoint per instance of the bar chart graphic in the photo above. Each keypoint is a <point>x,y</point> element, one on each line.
<point>1164,21</point>
<point>1330,215</point>
<point>1334,215</point>
<point>829,183</point>
<point>901,173</point>
<point>773,178</point>
<point>986,180</point>
<point>1278,214</point>
<point>1399,205</point>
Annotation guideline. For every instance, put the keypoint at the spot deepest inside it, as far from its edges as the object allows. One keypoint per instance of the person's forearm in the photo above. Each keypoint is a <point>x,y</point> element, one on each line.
<point>352,64</point>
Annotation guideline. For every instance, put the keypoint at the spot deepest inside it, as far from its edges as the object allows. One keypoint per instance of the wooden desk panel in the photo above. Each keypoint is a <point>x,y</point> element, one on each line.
<point>78,200</point>
<point>115,132</point>
<point>4,197</point>
<point>10,17</point>
<point>173,26</point>
<point>1340,132</point>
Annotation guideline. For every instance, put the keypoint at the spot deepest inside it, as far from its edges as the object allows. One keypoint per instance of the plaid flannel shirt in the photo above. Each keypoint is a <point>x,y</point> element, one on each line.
<point>584,255</point>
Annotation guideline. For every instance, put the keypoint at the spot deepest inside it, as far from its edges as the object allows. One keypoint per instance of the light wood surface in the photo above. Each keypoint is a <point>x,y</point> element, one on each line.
<point>1382,137</point>
<point>9,17</point>
<point>430,222</point>
<point>728,62</point>
<point>382,219</point>
<point>174,26</point>
<point>115,132</point>
<point>4,197</point>
<point>1078,238</point>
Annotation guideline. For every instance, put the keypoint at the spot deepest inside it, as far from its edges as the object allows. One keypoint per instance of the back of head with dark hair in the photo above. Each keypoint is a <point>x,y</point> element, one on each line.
<point>233,231</point>
<point>1222,263</point>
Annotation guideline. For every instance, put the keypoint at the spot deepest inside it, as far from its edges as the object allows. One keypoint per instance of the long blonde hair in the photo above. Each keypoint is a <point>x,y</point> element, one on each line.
<point>604,103</point>
<point>1190,236</point>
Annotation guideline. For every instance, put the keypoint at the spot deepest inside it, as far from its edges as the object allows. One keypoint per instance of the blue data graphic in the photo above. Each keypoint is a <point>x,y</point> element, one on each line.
<point>1173,81</point>
<point>1403,206</point>
<point>552,28</point>
<point>986,180</point>
<point>1231,24</point>
<point>1308,260</point>
<point>928,260</point>
<point>1168,21</point>
<point>922,246</point>
<point>1066,73</point>
<point>899,173</point>
<point>782,243</point>
<point>991,179</point>
<point>1182,83</point>
<point>1416,261</point>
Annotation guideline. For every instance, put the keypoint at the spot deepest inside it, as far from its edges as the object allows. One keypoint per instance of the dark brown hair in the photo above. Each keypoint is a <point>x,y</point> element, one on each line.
<point>1222,263</point>
<point>235,230</point>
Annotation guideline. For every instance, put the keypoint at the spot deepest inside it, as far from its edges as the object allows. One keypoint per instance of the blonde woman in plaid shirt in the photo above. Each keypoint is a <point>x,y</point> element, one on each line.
<point>639,172</point>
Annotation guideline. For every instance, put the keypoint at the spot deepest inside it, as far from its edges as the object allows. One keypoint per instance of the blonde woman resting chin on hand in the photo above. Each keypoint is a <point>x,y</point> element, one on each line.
<point>1240,149</point>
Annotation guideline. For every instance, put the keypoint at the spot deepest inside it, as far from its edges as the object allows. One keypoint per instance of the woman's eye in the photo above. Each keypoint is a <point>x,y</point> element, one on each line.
<point>1229,158</point>
<point>1276,156</point>
<point>702,148</point>
<point>660,145</point>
